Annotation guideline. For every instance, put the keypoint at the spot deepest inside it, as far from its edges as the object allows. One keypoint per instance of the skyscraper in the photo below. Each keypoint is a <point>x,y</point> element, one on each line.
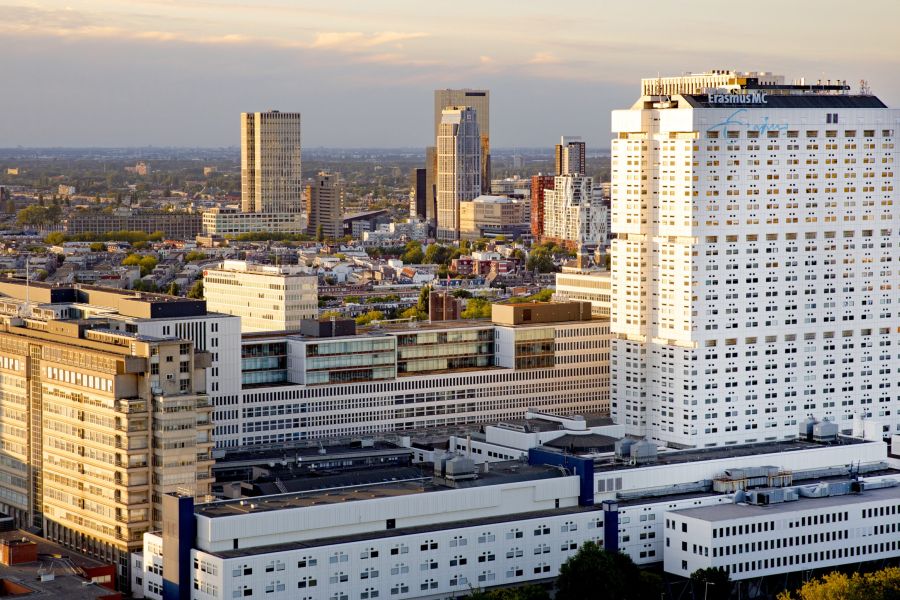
<point>539,183</point>
<point>754,262</point>
<point>270,162</point>
<point>459,167</point>
<point>480,100</point>
<point>325,201</point>
<point>418,195</point>
<point>570,156</point>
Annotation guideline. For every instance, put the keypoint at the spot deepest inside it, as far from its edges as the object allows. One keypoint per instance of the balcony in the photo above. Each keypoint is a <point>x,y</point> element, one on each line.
<point>131,405</point>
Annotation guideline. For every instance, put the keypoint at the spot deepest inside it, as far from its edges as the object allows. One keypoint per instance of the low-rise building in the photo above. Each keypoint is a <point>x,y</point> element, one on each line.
<point>492,216</point>
<point>265,297</point>
<point>230,221</point>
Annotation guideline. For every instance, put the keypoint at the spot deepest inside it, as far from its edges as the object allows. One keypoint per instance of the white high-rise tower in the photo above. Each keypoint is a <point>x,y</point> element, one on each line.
<point>754,265</point>
<point>458,167</point>
<point>270,162</point>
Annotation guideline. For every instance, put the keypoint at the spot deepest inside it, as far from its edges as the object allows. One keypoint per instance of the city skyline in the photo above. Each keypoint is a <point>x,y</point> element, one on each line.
<point>167,74</point>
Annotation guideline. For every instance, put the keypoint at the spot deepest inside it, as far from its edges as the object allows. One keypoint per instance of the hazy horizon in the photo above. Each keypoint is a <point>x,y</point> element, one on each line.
<point>177,73</point>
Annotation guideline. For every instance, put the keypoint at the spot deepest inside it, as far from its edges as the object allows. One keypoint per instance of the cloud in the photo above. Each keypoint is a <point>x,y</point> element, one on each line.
<point>356,40</point>
<point>544,58</point>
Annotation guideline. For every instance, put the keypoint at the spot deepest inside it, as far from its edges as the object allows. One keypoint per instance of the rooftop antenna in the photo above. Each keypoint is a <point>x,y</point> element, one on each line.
<point>864,89</point>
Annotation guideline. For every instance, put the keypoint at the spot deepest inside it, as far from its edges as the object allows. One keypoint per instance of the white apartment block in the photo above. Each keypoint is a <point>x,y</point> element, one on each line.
<point>571,215</point>
<point>270,162</point>
<point>225,222</point>
<point>511,523</point>
<point>405,379</point>
<point>458,167</point>
<point>699,83</point>
<point>754,265</point>
<point>811,527</point>
<point>265,297</point>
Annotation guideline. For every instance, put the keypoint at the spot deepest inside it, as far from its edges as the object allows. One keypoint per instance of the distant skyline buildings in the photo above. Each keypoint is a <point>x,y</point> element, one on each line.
<point>271,180</point>
<point>480,100</point>
<point>570,156</point>
<point>458,167</point>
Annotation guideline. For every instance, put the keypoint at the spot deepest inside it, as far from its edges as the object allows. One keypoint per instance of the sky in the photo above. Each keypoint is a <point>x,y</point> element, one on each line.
<point>362,72</point>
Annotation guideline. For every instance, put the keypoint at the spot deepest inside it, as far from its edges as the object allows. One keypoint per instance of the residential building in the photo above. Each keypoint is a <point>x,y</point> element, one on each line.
<point>458,167</point>
<point>270,162</point>
<point>97,422</point>
<point>570,156</point>
<point>571,217</point>
<point>492,216</point>
<point>539,183</point>
<point>229,222</point>
<point>325,199</point>
<point>265,297</point>
<point>480,101</point>
<point>175,225</point>
<point>752,277</point>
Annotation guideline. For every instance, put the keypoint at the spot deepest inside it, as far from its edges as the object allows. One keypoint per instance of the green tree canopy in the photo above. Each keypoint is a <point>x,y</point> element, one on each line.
<point>476,308</point>
<point>712,583</point>
<point>437,254</point>
<point>196,290</point>
<point>413,254</point>
<point>595,573</point>
<point>146,262</point>
<point>878,585</point>
<point>372,315</point>
<point>525,592</point>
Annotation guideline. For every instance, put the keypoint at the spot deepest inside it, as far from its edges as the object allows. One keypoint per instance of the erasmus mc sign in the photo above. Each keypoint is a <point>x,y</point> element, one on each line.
<point>758,98</point>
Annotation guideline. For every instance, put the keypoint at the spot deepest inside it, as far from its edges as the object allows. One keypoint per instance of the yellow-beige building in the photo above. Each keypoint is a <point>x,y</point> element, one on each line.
<point>96,423</point>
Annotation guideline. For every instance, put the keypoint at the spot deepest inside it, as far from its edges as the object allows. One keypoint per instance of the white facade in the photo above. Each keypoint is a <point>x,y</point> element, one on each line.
<point>751,541</point>
<point>265,297</point>
<point>754,266</point>
<point>230,222</point>
<point>589,286</point>
<point>578,382</point>
<point>270,162</point>
<point>571,216</point>
<point>398,540</point>
<point>698,83</point>
<point>458,167</point>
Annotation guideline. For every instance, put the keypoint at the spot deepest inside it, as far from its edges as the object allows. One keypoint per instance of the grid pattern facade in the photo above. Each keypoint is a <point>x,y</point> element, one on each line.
<point>753,270</point>
<point>270,162</point>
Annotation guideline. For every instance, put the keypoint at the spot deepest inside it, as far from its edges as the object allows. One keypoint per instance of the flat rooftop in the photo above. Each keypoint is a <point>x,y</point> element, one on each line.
<point>727,512</point>
<point>402,531</point>
<point>500,472</point>
<point>64,564</point>
<point>676,457</point>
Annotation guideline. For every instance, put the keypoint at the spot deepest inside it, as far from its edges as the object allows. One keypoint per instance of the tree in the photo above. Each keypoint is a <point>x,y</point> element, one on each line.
<point>422,304</point>
<point>194,255</point>
<point>436,254</point>
<point>173,289</point>
<point>712,583</point>
<point>320,233</point>
<point>9,207</point>
<point>413,254</point>
<point>462,294</point>
<point>592,572</point>
<point>98,247</point>
<point>55,238</point>
<point>540,261</point>
<point>147,263</point>
<point>525,592</point>
<point>328,314</point>
<point>196,290</point>
<point>878,585</point>
<point>413,313</point>
<point>372,315</point>
<point>477,308</point>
